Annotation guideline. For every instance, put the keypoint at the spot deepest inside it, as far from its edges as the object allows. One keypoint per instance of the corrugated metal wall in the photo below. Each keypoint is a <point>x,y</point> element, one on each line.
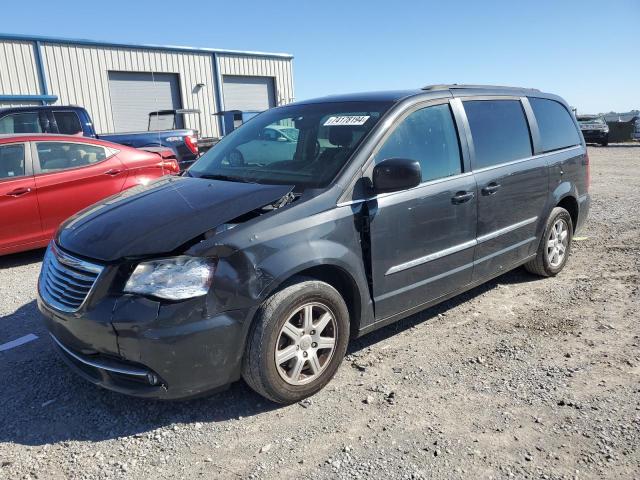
<point>79,76</point>
<point>278,68</point>
<point>18,72</point>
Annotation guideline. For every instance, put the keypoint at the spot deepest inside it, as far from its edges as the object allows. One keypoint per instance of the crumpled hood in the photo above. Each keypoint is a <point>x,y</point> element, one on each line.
<point>158,218</point>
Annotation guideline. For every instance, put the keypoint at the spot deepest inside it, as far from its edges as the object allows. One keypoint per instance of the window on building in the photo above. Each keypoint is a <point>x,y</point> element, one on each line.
<point>20,123</point>
<point>11,161</point>
<point>54,156</point>
<point>429,136</point>
<point>68,123</point>
<point>499,130</point>
<point>555,124</point>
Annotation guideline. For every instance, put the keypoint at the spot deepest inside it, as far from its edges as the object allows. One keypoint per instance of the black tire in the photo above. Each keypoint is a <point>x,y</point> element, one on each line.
<point>259,368</point>
<point>605,143</point>
<point>541,265</point>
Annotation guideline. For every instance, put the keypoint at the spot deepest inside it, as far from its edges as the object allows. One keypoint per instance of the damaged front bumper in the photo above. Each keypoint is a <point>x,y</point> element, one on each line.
<point>146,348</point>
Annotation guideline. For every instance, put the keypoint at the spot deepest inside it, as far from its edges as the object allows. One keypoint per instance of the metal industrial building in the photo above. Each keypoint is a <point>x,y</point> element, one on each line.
<point>120,84</point>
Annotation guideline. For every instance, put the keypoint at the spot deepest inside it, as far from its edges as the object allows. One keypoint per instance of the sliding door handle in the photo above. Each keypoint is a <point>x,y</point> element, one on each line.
<point>490,189</point>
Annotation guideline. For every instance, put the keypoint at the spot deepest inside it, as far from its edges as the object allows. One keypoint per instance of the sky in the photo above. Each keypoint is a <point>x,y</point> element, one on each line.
<point>585,51</point>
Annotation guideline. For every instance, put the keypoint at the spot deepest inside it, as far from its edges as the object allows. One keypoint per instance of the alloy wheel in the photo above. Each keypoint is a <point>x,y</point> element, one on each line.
<point>306,343</point>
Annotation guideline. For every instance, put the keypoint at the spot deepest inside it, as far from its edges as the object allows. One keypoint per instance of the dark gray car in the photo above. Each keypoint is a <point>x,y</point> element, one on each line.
<point>263,263</point>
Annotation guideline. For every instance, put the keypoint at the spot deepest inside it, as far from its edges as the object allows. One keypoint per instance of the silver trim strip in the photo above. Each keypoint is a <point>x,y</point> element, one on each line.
<point>431,257</point>
<point>138,372</point>
<point>463,246</point>
<point>502,231</point>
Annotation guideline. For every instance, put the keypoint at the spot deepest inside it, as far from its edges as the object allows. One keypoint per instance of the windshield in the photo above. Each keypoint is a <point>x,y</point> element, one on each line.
<point>598,120</point>
<point>300,145</point>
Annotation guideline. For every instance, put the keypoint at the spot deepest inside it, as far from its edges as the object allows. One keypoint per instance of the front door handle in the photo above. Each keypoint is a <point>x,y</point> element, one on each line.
<point>18,192</point>
<point>490,189</point>
<point>461,197</point>
<point>113,172</point>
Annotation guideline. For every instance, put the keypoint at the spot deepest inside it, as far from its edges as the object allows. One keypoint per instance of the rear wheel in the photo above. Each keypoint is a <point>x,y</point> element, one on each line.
<point>297,341</point>
<point>555,245</point>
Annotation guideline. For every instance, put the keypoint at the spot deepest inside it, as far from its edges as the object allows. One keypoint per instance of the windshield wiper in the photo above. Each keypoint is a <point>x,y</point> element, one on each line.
<point>225,178</point>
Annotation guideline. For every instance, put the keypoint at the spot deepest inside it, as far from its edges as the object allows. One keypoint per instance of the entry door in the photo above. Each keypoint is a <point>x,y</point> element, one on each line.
<point>422,239</point>
<point>20,224</point>
<point>71,176</point>
<point>512,185</point>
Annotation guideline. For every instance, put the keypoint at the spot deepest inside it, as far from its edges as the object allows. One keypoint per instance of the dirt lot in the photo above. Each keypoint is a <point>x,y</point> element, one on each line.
<point>521,377</point>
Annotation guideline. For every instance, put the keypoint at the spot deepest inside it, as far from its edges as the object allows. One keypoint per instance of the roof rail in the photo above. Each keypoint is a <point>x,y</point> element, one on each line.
<point>461,86</point>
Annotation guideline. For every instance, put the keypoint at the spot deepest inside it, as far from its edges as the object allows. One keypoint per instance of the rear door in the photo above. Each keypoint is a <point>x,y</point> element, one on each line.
<point>71,176</point>
<point>20,224</point>
<point>512,183</point>
<point>422,239</point>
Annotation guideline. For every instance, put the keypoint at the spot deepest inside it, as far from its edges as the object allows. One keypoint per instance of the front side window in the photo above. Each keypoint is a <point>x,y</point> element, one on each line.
<point>54,156</point>
<point>12,161</point>
<point>20,123</point>
<point>302,145</point>
<point>499,130</point>
<point>429,136</point>
<point>555,124</point>
<point>68,123</point>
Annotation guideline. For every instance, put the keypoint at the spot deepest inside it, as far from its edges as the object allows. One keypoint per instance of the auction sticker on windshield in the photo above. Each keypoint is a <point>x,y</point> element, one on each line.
<point>346,120</point>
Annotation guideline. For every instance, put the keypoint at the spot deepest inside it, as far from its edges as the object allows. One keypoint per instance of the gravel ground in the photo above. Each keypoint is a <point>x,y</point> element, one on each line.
<point>521,377</point>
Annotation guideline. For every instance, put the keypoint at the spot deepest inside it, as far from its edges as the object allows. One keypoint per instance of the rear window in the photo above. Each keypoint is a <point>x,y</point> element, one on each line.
<point>20,123</point>
<point>68,122</point>
<point>54,156</point>
<point>555,124</point>
<point>499,130</point>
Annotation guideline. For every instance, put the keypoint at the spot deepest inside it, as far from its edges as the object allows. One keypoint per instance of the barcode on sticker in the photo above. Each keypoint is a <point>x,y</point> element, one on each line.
<point>346,120</point>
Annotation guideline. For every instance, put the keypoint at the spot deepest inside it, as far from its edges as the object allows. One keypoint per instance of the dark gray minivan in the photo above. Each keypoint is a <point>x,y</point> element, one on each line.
<point>273,250</point>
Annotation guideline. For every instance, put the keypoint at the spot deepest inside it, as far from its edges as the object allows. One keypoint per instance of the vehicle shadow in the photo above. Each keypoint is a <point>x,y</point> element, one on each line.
<point>517,276</point>
<point>22,258</point>
<point>43,402</point>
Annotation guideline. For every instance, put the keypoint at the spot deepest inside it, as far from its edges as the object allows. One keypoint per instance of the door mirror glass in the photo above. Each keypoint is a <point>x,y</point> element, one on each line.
<point>395,174</point>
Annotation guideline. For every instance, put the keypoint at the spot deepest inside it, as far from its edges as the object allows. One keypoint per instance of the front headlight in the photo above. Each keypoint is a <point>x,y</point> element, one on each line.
<point>176,278</point>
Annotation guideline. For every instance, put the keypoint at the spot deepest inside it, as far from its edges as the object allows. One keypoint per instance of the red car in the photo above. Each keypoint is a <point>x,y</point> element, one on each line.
<point>45,179</point>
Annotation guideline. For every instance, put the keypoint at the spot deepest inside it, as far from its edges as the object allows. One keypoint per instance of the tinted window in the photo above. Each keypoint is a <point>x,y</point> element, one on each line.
<point>55,156</point>
<point>428,136</point>
<point>11,161</point>
<point>20,123</point>
<point>68,122</point>
<point>499,130</point>
<point>555,124</point>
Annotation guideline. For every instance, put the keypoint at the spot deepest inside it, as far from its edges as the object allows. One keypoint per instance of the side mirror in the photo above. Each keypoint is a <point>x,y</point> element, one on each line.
<point>395,174</point>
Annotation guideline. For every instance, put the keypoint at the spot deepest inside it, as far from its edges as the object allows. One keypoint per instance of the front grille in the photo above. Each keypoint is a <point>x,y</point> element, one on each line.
<point>66,281</point>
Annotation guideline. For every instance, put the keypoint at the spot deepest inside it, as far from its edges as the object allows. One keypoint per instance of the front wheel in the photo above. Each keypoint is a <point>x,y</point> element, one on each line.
<point>555,245</point>
<point>297,341</point>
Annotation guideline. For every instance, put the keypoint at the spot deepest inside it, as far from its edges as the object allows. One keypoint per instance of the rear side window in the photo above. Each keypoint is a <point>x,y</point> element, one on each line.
<point>499,130</point>
<point>20,123</point>
<point>429,136</point>
<point>54,156</point>
<point>68,122</point>
<point>555,124</point>
<point>11,161</point>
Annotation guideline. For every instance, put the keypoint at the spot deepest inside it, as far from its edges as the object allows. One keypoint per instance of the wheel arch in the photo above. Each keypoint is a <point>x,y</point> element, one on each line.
<point>335,275</point>
<point>570,204</point>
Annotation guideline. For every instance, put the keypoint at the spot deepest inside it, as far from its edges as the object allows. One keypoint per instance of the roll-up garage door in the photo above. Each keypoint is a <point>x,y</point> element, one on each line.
<point>248,93</point>
<point>135,94</point>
